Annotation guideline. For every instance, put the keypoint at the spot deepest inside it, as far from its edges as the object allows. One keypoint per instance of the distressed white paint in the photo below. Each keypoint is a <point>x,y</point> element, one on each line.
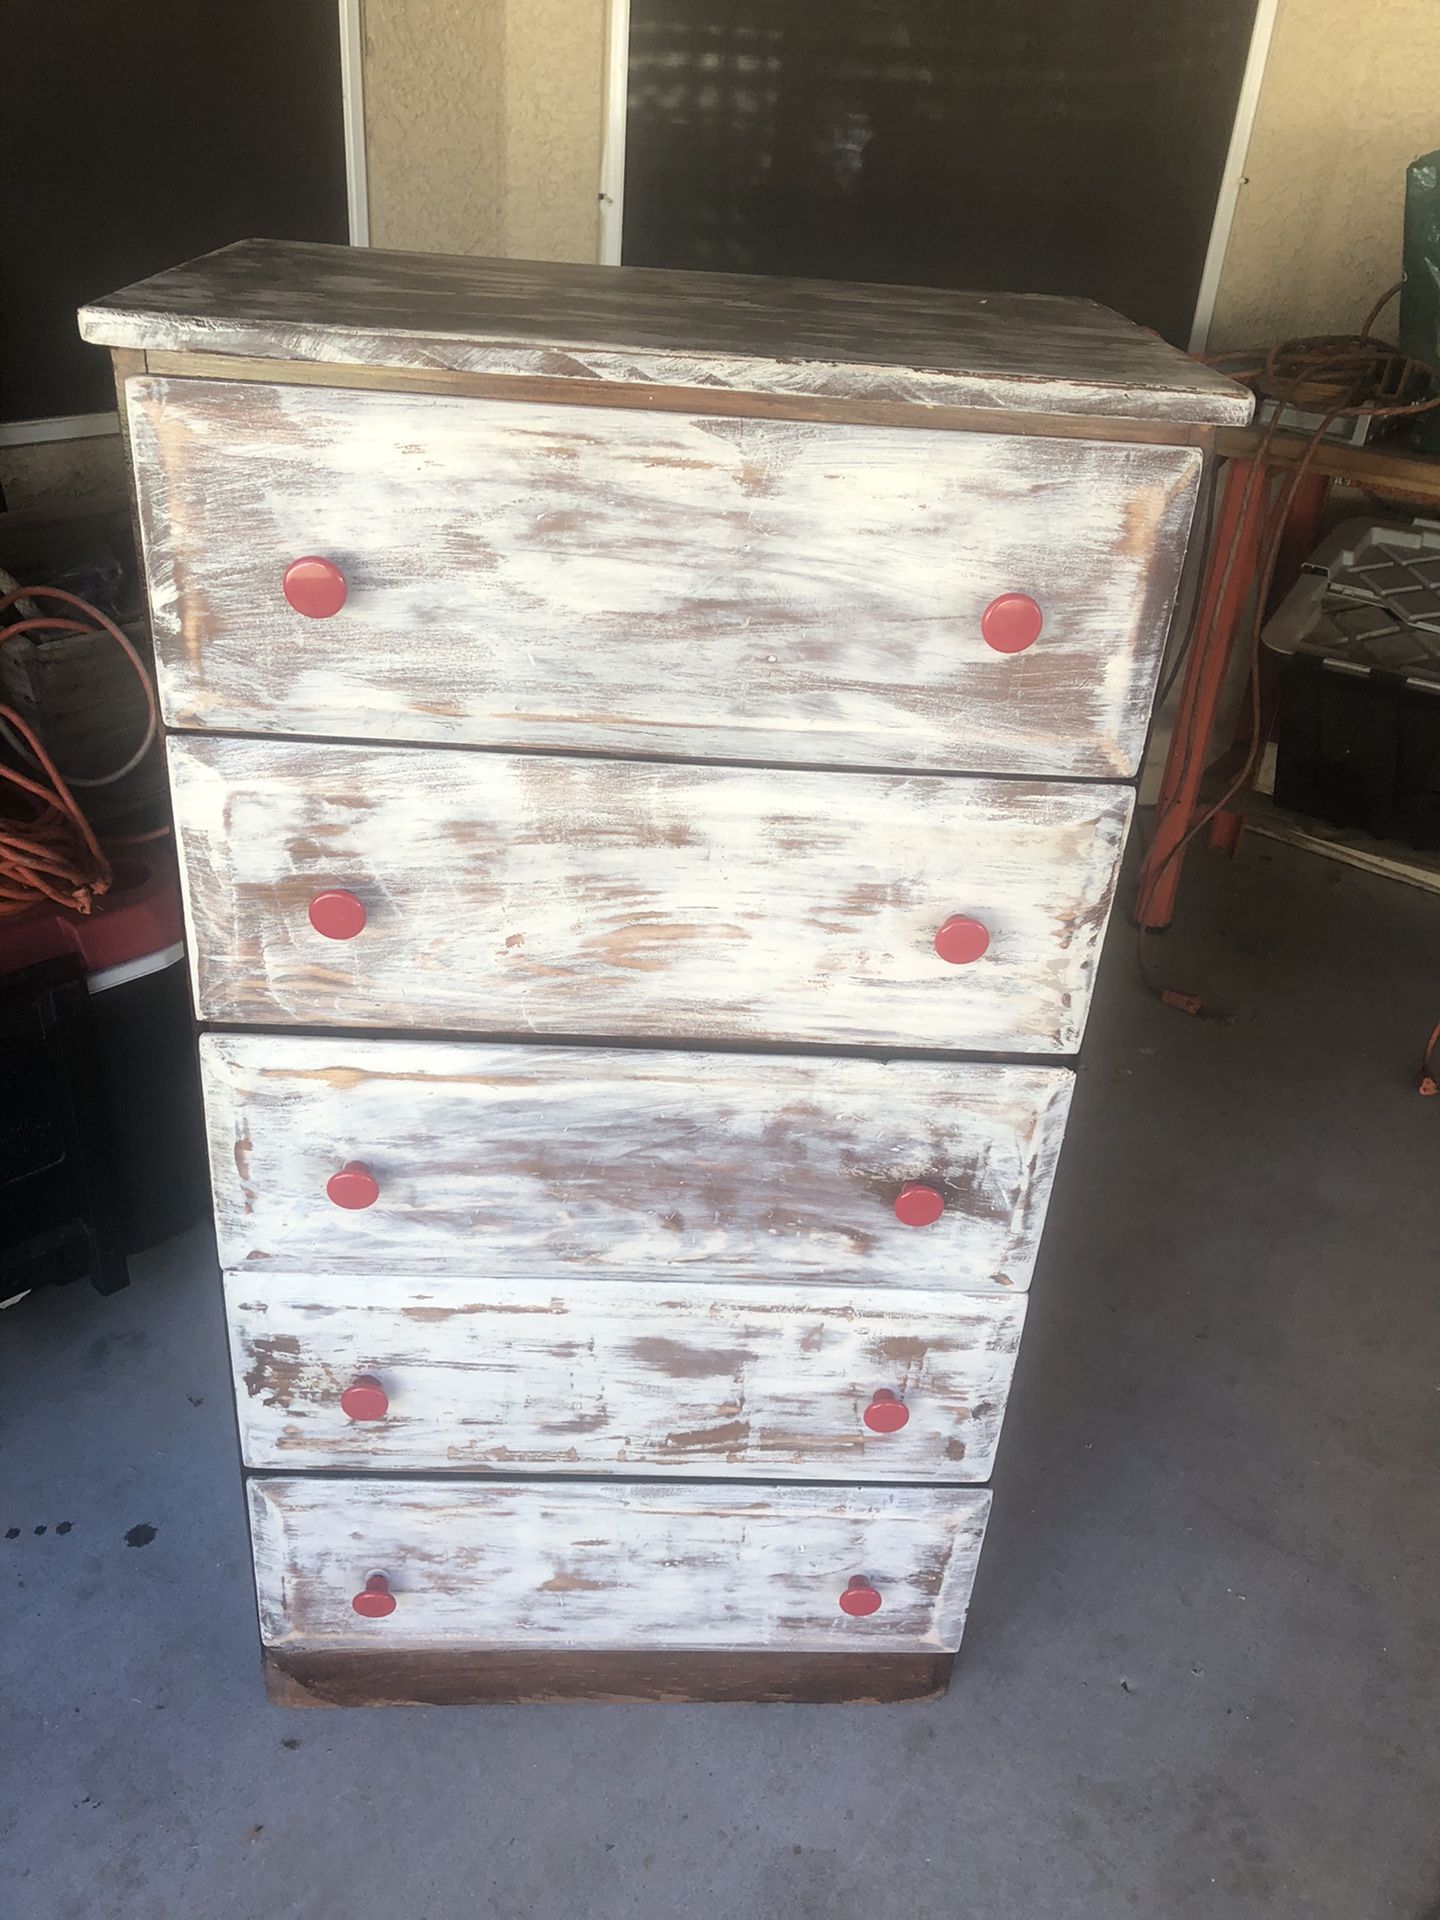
<point>691,1265</point>
<point>597,1162</point>
<point>609,1377</point>
<point>588,578</point>
<point>286,300</point>
<point>612,1565</point>
<point>631,900</point>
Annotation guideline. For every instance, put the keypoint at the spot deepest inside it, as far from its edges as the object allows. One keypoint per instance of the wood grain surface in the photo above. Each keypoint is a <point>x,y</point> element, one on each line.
<point>294,301</point>
<point>626,582</point>
<point>717,402</point>
<point>658,712</point>
<point>612,1564</point>
<point>549,895</point>
<point>764,1382</point>
<point>626,1164</point>
<point>445,1677</point>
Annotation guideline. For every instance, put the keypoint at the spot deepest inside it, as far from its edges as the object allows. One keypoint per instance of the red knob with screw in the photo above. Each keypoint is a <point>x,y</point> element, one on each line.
<point>886,1413</point>
<point>338,914</point>
<point>375,1600</point>
<point>353,1187</point>
<point>918,1204</point>
<point>314,587</point>
<point>365,1399</point>
<point>859,1598</point>
<point>961,939</point>
<point>1011,623</point>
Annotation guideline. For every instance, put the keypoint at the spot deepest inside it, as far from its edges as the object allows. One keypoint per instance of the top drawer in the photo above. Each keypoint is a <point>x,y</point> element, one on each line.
<point>617,581</point>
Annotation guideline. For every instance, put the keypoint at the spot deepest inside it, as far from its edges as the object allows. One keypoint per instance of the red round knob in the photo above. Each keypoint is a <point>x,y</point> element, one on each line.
<point>375,1601</point>
<point>918,1205</point>
<point>886,1413</point>
<point>365,1399</point>
<point>314,587</point>
<point>337,914</point>
<point>1011,623</point>
<point>859,1598</point>
<point>961,940</point>
<point>353,1187</point>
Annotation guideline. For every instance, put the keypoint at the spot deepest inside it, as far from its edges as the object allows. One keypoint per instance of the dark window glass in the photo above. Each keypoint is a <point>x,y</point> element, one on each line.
<point>1054,146</point>
<point>139,133</point>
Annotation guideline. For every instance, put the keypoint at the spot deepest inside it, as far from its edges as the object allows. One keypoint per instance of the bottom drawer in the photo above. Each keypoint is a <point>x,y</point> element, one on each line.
<point>611,1565</point>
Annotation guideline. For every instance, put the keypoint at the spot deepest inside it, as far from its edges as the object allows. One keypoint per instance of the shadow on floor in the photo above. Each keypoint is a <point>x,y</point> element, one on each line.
<point>1200,1678</point>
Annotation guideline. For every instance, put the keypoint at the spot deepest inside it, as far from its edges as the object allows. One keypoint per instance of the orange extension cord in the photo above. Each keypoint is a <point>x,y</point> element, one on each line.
<point>1338,376</point>
<point>48,849</point>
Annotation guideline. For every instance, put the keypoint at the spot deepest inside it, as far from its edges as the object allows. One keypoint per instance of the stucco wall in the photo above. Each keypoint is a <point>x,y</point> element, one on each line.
<point>435,123</point>
<point>484,119</point>
<point>55,476</point>
<point>483,125</point>
<point>1351,94</point>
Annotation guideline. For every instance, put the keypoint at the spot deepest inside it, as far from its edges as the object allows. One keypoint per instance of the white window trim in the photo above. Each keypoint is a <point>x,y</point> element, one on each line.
<point>64,426</point>
<point>352,95</point>
<point>616,82</point>
<point>1232,176</point>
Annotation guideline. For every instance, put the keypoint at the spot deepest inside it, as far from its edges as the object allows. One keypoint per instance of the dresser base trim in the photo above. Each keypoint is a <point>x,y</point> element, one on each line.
<point>451,1679</point>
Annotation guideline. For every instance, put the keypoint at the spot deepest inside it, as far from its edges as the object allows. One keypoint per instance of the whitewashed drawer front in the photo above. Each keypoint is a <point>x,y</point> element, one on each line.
<point>623,1163</point>
<point>465,1376</point>
<point>612,1564</point>
<point>526,575</point>
<point>549,895</point>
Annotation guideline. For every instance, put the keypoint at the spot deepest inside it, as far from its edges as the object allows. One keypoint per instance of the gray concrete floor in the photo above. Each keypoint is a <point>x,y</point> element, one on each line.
<point>1200,1677</point>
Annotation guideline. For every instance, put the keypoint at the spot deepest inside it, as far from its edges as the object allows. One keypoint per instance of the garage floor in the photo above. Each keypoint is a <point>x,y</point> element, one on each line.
<point>1200,1678</point>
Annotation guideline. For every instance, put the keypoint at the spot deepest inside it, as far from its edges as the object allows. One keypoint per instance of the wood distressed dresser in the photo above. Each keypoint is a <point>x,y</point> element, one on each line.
<point>651,754</point>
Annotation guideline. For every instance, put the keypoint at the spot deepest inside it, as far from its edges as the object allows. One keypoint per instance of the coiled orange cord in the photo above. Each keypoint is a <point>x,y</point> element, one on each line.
<point>48,849</point>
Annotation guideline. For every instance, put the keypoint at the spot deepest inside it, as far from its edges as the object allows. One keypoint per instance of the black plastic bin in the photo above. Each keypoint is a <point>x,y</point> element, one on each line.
<point>1359,751</point>
<point>1356,642</point>
<point>101,1136</point>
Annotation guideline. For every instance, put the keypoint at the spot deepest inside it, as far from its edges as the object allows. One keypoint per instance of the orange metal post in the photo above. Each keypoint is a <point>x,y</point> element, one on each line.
<point>1304,523</point>
<point>1223,593</point>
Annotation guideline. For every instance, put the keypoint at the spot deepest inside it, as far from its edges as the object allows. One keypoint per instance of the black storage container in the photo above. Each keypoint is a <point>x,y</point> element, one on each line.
<point>1358,642</point>
<point>101,1135</point>
<point>1359,751</point>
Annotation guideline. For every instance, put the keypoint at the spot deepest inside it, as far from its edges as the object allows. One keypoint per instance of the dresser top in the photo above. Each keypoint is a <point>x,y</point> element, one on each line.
<point>828,339</point>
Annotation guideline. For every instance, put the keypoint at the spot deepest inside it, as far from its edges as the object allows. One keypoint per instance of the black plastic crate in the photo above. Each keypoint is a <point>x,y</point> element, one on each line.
<point>101,1137</point>
<point>58,1215</point>
<point>1359,750</point>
